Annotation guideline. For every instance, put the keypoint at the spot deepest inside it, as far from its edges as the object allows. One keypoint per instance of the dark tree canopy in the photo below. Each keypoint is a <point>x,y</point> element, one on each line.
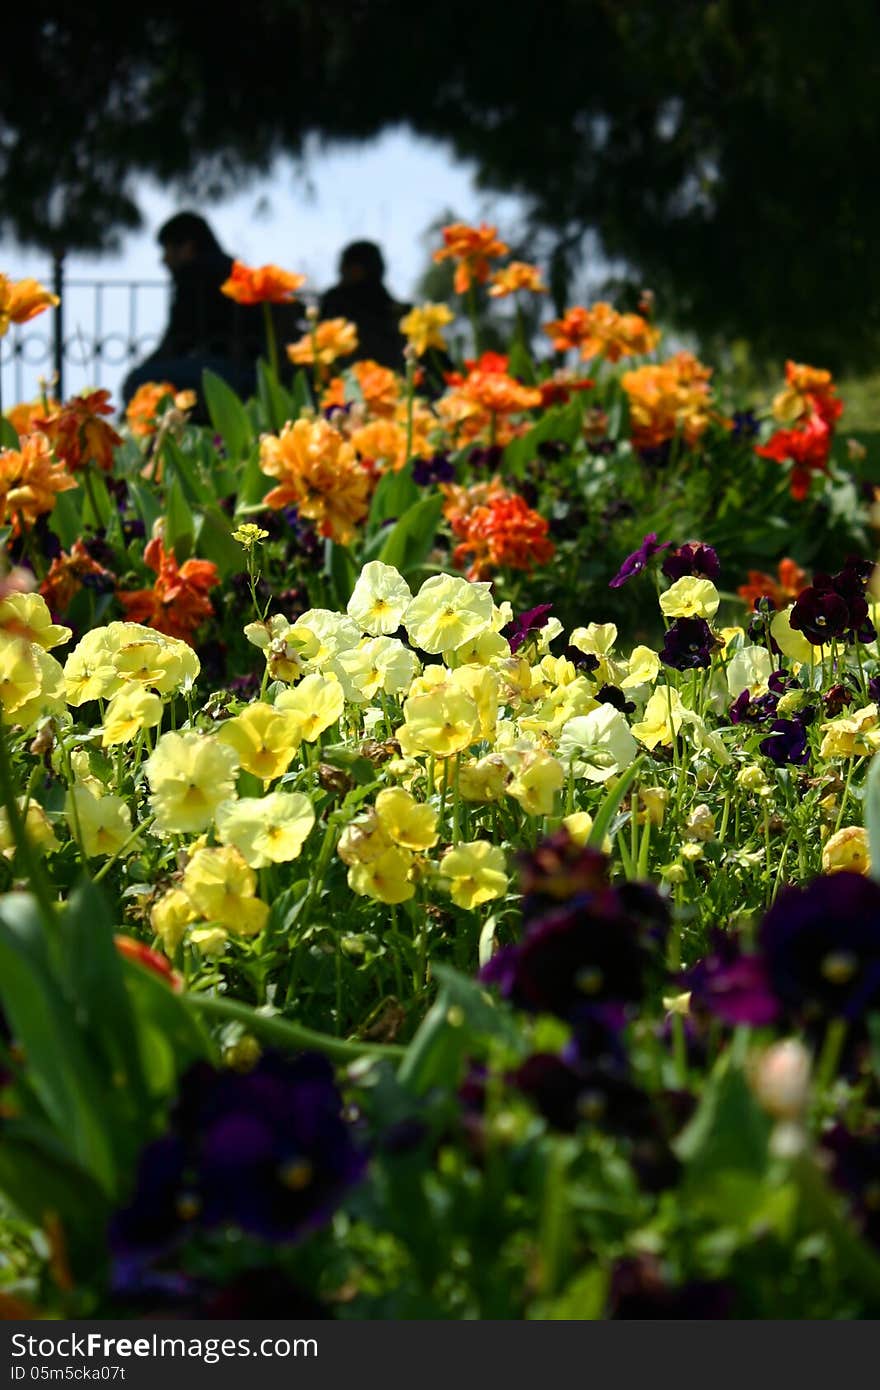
<point>726,150</point>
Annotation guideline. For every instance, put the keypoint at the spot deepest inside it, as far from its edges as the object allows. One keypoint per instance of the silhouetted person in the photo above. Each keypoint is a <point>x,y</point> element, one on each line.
<point>361,297</point>
<point>205,329</point>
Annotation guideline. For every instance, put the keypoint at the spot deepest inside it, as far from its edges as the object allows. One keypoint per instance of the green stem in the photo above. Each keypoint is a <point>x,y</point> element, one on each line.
<point>123,848</point>
<point>284,1033</point>
<point>271,341</point>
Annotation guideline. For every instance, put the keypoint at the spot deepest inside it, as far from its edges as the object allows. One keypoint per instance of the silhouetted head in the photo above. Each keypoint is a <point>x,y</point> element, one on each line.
<point>361,263</point>
<point>184,238</point>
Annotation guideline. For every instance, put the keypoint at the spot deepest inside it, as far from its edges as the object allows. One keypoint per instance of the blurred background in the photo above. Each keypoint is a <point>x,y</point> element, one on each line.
<point>721,154</point>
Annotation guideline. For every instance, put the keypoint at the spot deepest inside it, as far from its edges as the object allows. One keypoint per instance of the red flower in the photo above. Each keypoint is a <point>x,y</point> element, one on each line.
<point>178,602</point>
<point>792,579</point>
<point>79,435</point>
<point>808,448</point>
<point>506,532</point>
<point>151,960</point>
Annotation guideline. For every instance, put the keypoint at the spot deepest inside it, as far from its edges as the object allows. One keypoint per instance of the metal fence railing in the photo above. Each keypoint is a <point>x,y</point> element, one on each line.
<point>93,339</point>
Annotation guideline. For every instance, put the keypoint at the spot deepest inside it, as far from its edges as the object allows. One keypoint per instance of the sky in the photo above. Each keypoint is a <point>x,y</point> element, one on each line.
<point>388,190</point>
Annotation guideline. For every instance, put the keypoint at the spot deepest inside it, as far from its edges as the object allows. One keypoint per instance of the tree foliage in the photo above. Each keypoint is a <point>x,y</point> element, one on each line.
<point>722,149</point>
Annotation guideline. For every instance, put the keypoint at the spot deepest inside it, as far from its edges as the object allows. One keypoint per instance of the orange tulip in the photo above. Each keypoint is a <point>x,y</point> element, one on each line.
<point>472,248</point>
<point>266,284</point>
<point>30,479</point>
<point>178,602</point>
<point>319,474</point>
<point>22,300</point>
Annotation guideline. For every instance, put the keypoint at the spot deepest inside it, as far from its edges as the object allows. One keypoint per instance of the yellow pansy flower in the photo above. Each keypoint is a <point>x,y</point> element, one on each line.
<point>264,737</point>
<point>537,778</point>
<point>476,873</point>
<point>266,830</point>
<point>847,851</point>
<point>315,704</point>
<point>692,596</point>
<point>483,780</point>
<point>443,723</point>
<point>385,878</point>
<point>221,888</point>
<point>447,612</point>
<point>37,826</point>
<point>104,822</point>
<point>170,917</point>
<point>662,719</point>
<point>407,822</point>
<point>132,709</point>
<point>189,775</point>
<point>379,599</point>
<point>28,616</point>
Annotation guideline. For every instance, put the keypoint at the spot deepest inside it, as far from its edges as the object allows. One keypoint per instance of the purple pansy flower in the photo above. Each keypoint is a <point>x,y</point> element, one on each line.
<point>522,627</point>
<point>636,562</point>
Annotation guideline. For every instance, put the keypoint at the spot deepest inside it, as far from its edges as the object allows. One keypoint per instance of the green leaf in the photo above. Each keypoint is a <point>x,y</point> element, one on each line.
<point>254,485</point>
<point>182,466</point>
<point>395,494</point>
<point>520,364</point>
<point>583,1299</point>
<point>94,978</point>
<point>301,395</point>
<point>41,1180</point>
<point>413,536</point>
<point>228,416</point>
<point>608,810</point>
<point>435,1055</point>
<point>729,1131</point>
<point>60,1070</point>
<point>277,405</point>
<point>148,505</point>
<point>872,814</point>
<point>66,521</point>
<point>483,1013</point>
<point>180,528</point>
<point>8,436</point>
<point>342,571</point>
<point>461,1015</point>
<point>214,536</point>
<point>561,422</point>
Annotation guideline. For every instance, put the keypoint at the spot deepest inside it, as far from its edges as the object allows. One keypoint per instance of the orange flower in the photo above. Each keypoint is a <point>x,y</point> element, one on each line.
<point>792,579</point>
<point>472,248</point>
<point>461,502</point>
<point>379,387</point>
<point>178,602</point>
<point>333,394</point>
<point>507,532</point>
<point>78,434</point>
<point>499,394</point>
<point>559,388</point>
<point>669,398</point>
<point>602,332</point>
<point>266,284</point>
<point>571,330</point>
<point>383,442</point>
<point>23,418</point>
<point>68,573</point>
<point>333,338</point>
<point>142,409</point>
<point>807,390</point>
<point>319,475</point>
<point>22,300</point>
<point>30,479</point>
<point>519,275</point>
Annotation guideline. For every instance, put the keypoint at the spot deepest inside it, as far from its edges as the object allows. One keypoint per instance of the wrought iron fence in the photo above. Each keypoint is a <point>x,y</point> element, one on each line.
<point>98,332</point>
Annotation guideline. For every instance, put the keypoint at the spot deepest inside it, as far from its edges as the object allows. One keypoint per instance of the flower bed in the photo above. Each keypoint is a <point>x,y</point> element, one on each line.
<point>437,837</point>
